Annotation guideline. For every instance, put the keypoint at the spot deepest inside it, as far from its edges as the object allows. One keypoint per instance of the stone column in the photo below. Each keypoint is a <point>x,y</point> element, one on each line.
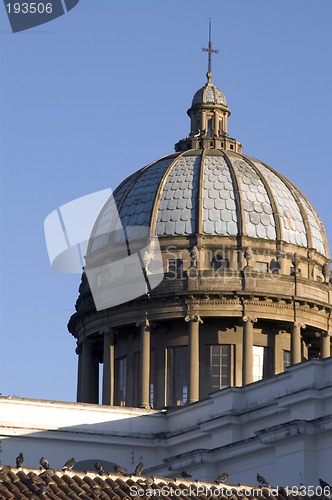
<point>194,321</point>
<point>108,367</point>
<point>89,386</point>
<point>144,397</point>
<point>296,343</point>
<point>248,351</point>
<point>325,345</point>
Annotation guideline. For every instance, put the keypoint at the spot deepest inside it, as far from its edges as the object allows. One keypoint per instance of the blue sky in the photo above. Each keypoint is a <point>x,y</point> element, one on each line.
<point>103,90</point>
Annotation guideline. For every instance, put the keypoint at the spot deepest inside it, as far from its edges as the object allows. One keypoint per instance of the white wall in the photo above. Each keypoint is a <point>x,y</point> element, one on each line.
<point>280,427</point>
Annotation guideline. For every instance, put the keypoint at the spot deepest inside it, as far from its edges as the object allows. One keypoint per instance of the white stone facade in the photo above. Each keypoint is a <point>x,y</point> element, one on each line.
<point>280,427</point>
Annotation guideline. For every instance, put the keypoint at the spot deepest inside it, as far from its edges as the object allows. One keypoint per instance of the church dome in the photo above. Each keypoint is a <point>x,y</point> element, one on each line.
<point>216,193</point>
<point>244,268</point>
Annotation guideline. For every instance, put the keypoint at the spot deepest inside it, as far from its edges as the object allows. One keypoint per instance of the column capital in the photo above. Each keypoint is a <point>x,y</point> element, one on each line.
<point>194,318</point>
<point>298,324</point>
<point>145,323</point>
<point>250,319</point>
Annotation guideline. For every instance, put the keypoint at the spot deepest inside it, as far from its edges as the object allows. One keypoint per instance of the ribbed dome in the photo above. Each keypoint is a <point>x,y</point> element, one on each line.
<point>209,94</point>
<point>215,193</point>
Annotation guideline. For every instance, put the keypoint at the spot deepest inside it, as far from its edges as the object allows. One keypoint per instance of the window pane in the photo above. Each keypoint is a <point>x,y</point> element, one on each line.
<point>220,367</point>
<point>287,359</point>
<point>177,375</point>
<point>258,353</point>
<point>120,381</point>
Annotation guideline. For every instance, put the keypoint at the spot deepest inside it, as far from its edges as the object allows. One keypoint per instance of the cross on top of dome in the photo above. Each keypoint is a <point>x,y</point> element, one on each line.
<point>210,51</point>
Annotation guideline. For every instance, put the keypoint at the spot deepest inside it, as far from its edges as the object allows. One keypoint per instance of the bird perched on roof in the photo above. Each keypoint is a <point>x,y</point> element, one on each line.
<point>324,484</point>
<point>19,460</point>
<point>185,474</point>
<point>44,463</point>
<point>99,468</point>
<point>121,470</point>
<point>261,480</point>
<point>139,467</point>
<point>69,464</point>
<point>221,478</point>
<point>46,474</point>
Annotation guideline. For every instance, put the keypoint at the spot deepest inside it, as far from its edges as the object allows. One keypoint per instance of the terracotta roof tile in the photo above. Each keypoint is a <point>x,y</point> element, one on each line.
<point>34,484</point>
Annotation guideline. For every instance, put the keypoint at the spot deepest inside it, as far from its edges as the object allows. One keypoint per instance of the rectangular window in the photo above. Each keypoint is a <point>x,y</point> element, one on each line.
<point>209,128</point>
<point>120,367</point>
<point>258,362</point>
<point>220,366</point>
<point>287,359</point>
<point>177,375</point>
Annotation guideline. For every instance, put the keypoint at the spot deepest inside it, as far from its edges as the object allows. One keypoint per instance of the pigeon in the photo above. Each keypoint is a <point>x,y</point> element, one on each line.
<point>99,468</point>
<point>19,460</point>
<point>44,463</point>
<point>324,484</point>
<point>139,467</point>
<point>46,474</point>
<point>221,478</point>
<point>185,474</point>
<point>120,470</point>
<point>69,464</point>
<point>261,480</point>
